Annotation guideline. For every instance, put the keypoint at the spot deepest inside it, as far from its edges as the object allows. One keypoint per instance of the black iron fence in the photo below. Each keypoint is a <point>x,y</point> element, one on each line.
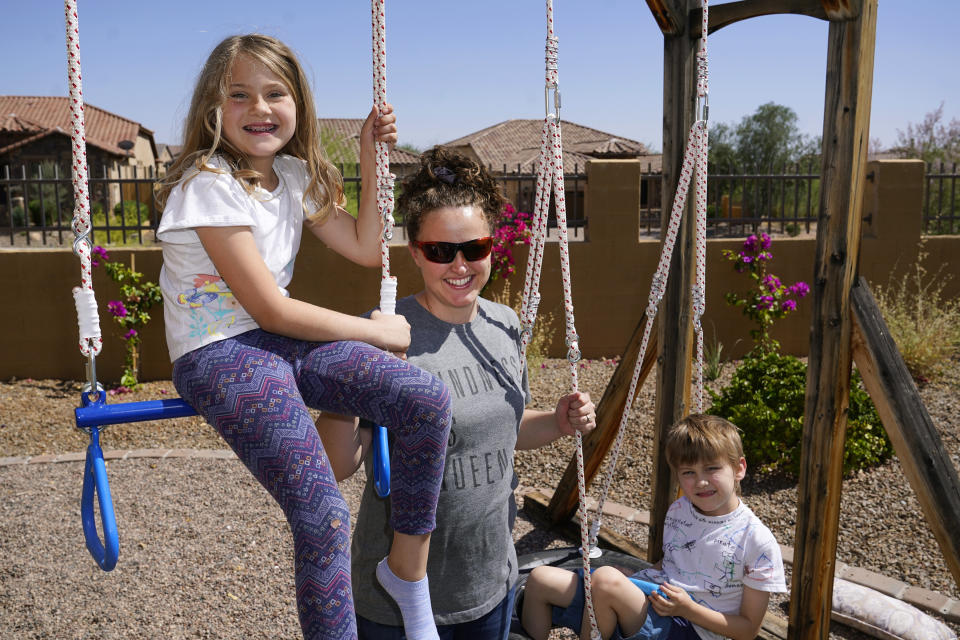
<point>36,204</point>
<point>941,199</point>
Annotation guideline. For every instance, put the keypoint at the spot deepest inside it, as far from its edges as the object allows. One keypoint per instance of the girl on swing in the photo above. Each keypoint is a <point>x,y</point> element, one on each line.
<point>251,360</point>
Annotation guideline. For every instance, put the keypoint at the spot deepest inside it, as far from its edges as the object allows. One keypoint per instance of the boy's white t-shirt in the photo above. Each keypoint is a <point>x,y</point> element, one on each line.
<point>713,557</point>
<point>198,306</point>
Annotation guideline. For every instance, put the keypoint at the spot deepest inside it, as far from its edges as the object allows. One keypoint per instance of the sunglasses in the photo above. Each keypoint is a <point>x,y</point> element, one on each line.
<point>446,252</point>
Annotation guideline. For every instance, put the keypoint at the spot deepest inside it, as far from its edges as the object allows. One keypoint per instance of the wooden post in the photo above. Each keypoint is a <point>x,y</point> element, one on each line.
<point>846,121</point>
<point>598,442</point>
<point>914,437</point>
<point>676,330</point>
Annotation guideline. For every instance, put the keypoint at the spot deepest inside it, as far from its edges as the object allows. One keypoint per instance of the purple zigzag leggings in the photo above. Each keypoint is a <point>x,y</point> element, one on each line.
<point>255,389</point>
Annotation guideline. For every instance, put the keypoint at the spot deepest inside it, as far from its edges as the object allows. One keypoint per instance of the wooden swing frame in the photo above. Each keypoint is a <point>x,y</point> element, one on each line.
<point>846,325</point>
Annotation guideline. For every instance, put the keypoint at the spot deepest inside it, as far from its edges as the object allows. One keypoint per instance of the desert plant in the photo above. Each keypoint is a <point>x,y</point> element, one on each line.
<point>766,399</point>
<point>712,361</point>
<point>923,322</point>
<point>544,327</point>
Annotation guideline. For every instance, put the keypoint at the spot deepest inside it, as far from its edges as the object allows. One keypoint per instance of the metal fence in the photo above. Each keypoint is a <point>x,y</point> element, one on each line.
<point>941,205</point>
<point>36,204</point>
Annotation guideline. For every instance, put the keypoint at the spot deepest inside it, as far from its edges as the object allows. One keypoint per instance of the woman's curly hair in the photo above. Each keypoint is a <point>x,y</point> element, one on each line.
<point>448,179</point>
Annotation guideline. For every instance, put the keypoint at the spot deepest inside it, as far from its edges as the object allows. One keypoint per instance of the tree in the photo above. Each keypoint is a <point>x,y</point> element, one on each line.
<point>769,139</point>
<point>930,140</point>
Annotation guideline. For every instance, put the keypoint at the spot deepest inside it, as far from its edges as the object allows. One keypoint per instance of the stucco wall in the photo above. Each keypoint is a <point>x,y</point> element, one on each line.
<point>611,275</point>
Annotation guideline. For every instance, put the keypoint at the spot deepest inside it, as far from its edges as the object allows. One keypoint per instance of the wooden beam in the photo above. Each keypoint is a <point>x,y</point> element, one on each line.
<point>598,442</point>
<point>722,15</point>
<point>845,136</point>
<point>915,438</point>
<point>676,325</point>
<point>670,15</point>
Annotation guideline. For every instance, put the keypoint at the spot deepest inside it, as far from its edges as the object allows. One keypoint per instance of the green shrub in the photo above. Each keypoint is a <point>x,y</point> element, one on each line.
<point>766,398</point>
<point>922,321</point>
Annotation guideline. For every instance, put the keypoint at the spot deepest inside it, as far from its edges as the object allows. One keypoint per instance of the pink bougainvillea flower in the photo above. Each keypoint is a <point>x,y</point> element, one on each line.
<point>116,308</point>
<point>130,334</point>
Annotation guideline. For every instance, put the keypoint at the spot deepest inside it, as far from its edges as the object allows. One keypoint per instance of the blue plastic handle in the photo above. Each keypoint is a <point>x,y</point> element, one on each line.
<point>649,587</point>
<point>95,481</point>
<point>381,461</point>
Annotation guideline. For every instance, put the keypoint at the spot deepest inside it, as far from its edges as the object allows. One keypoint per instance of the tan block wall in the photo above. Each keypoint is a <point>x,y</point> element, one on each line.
<point>611,274</point>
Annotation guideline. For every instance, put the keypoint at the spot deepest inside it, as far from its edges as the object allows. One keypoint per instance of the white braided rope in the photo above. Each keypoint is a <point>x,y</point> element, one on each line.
<point>694,163</point>
<point>385,179</point>
<point>88,319</point>
<point>550,180</point>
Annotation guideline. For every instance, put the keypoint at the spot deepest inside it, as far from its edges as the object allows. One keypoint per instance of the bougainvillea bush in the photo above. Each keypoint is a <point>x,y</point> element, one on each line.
<point>132,313</point>
<point>766,397</point>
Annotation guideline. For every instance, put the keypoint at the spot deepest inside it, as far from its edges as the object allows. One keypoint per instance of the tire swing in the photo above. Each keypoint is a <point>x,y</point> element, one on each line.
<point>550,176</point>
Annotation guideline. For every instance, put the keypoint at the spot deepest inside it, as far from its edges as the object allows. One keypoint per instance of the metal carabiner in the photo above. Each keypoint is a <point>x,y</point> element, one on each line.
<point>556,100</point>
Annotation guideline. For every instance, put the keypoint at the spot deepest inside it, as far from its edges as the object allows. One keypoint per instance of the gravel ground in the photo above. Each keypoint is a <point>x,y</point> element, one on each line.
<point>205,552</point>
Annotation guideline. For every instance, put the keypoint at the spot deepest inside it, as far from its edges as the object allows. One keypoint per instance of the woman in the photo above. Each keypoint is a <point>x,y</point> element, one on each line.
<point>451,207</point>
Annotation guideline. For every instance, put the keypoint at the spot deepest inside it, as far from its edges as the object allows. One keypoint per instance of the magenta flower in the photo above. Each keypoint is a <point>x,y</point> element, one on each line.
<point>98,252</point>
<point>750,244</point>
<point>789,305</point>
<point>764,241</point>
<point>130,334</point>
<point>800,289</point>
<point>117,309</point>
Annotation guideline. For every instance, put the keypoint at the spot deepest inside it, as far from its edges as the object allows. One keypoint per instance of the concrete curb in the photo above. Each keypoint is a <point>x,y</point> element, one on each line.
<point>121,454</point>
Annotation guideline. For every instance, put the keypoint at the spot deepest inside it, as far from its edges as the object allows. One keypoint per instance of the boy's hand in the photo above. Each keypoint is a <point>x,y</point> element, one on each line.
<point>677,602</point>
<point>575,412</point>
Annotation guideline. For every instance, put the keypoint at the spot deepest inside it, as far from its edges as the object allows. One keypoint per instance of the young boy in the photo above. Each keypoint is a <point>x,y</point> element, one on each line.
<point>719,566</point>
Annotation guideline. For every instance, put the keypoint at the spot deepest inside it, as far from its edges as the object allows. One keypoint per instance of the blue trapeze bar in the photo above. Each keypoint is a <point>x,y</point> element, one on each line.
<point>95,481</point>
<point>381,462</point>
<point>92,415</point>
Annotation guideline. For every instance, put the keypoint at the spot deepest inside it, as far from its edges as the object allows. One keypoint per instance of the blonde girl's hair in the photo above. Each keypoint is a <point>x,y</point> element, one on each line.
<point>203,129</point>
<point>703,438</point>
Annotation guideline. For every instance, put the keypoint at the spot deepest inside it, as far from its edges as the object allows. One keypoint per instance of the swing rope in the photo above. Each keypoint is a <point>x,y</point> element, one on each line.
<point>550,181</point>
<point>385,182</point>
<point>385,179</point>
<point>88,319</point>
<point>550,175</point>
<point>694,165</point>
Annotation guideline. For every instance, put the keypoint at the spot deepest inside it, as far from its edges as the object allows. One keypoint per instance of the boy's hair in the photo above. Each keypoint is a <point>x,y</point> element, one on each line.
<point>203,128</point>
<point>701,437</point>
<point>448,179</point>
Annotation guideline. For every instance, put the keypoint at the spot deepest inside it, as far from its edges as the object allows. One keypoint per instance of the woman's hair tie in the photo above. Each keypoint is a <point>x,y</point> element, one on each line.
<point>445,174</point>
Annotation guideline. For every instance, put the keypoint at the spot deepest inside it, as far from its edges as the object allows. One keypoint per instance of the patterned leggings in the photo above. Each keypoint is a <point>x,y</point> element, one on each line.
<point>255,389</point>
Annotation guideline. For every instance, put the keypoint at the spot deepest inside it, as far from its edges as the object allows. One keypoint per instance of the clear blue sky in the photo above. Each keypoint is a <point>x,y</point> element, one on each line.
<point>456,67</point>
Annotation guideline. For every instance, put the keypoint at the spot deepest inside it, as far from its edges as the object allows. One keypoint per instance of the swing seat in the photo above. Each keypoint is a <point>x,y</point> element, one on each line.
<point>90,416</point>
<point>565,558</point>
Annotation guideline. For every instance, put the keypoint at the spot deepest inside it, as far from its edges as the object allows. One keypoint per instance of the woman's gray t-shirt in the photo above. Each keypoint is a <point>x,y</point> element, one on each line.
<point>472,561</point>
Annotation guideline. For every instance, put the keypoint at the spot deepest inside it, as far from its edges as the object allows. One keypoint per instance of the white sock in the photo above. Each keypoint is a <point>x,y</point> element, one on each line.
<point>413,598</point>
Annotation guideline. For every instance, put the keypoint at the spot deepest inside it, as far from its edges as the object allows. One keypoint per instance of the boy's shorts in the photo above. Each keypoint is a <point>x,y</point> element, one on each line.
<point>655,627</point>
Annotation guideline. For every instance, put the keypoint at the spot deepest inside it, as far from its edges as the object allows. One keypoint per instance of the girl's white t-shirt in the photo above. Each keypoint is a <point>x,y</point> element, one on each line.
<point>198,306</point>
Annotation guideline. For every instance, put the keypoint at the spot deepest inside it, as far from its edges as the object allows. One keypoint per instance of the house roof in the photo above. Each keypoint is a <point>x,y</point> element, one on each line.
<point>51,113</point>
<point>341,136</point>
<point>515,145</point>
